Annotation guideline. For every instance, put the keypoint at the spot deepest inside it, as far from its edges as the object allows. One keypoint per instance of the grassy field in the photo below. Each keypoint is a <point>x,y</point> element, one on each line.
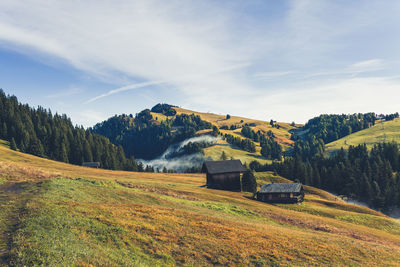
<point>215,152</point>
<point>56,214</point>
<point>381,132</point>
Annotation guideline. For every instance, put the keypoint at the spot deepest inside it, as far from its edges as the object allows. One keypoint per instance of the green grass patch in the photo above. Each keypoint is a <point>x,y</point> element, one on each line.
<point>227,208</point>
<point>381,223</point>
<point>215,151</point>
<point>51,236</point>
<point>91,191</point>
<point>381,132</point>
<point>269,177</point>
<point>58,229</point>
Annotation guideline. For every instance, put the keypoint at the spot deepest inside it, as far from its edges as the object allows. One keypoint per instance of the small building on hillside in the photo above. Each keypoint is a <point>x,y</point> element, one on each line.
<point>224,174</point>
<point>281,193</point>
<point>91,164</point>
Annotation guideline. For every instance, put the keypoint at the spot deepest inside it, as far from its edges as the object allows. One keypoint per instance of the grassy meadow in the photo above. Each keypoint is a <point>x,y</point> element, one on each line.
<point>379,133</point>
<point>215,152</point>
<point>56,214</point>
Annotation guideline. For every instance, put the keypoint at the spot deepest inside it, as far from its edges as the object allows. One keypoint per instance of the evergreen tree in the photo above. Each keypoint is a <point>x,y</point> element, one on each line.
<point>41,133</point>
<point>4,132</point>
<point>13,145</point>
<point>36,147</point>
<point>249,183</point>
<point>223,156</point>
<point>63,154</point>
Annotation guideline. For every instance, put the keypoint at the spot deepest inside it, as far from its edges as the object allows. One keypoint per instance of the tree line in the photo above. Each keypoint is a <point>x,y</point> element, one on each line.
<point>41,133</point>
<point>317,132</point>
<point>243,143</point>
<point>270,149</point>
<point>143,137</point>
<point>369,176</point>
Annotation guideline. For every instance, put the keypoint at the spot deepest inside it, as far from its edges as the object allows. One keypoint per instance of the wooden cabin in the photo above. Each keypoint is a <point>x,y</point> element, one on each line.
<point>281,193</point>
<point>224,174</point>
<point>91,164</point>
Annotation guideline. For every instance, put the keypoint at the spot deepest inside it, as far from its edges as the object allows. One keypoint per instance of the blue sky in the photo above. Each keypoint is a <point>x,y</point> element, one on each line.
<point>281,60</point>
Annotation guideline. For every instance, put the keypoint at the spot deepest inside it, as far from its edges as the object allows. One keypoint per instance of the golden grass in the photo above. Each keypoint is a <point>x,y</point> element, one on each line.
<point>126,218</point>
<point>282,134</point>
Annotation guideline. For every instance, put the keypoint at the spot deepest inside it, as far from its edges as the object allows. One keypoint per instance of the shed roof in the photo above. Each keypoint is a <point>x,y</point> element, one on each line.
<point>223,166</point>
<point>281,188</point>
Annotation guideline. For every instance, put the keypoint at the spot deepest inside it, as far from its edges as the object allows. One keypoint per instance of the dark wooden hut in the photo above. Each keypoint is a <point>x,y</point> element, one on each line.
<point>224,174</point>
<point>281,193</point>
<point>91,164</point>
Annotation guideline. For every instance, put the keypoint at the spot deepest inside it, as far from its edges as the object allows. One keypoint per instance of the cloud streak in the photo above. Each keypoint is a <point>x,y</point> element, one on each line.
<point>218,56</point>
<point>123,89</point>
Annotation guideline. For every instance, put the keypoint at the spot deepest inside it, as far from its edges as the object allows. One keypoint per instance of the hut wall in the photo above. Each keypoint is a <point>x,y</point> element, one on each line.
<point>279,197</point>
<point>227,181</point>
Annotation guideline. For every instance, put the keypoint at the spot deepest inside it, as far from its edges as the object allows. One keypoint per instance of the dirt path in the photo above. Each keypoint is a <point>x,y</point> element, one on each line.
<point>13,198</point>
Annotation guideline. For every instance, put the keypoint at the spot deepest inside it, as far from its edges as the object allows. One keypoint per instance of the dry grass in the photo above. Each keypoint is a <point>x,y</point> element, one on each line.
<point>282,134</point>
<point>125,218</point>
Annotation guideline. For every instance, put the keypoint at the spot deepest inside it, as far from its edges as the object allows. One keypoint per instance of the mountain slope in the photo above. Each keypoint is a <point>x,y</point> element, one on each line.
<point>281,133</point>
<point>54,213</point>
<point>381,132</point>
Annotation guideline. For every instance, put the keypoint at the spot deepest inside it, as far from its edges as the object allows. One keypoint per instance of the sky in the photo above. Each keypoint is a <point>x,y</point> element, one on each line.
<point>282,60</point>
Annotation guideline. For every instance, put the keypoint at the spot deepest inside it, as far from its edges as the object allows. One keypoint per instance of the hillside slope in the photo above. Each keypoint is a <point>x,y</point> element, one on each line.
<point>382,132</point>
<point>54,214</point>
<point>282,134</point>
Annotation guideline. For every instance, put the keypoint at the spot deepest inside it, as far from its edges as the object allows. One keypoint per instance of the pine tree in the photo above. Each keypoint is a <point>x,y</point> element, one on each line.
<point>36,147</point>
<point>63,154</point>
<point>13,145</point>
<point>3,132</point>
<point>223,156</point>
<point>249,183</point>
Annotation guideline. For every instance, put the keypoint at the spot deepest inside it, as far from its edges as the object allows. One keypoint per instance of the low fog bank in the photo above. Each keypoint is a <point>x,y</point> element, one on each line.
<point>180,163</point>
<point>393,212</point>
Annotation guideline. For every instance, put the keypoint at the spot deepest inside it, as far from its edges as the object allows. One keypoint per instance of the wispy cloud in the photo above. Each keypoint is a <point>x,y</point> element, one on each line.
<point>66,93</point>
<point>188,78</point>
<point>273,74</point>
<point>124,88</point>
<point>223,56</point>
<point>366,66</point>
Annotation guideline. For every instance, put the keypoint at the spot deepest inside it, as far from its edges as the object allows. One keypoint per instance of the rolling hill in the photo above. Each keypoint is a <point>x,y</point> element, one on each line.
<point>55,214</point>
<point>387,131</point>
<point>282,135</point>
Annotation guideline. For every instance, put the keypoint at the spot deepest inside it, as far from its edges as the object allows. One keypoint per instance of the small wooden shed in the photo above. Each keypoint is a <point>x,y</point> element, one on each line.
<point>91,164</point>
<point>281,193</point>
<point>224,174</point>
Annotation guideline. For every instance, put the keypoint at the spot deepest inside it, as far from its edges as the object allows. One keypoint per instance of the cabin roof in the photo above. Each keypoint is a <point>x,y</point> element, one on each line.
<point>281,188</point>
<point>223,166</point>
<point>91,164</point>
